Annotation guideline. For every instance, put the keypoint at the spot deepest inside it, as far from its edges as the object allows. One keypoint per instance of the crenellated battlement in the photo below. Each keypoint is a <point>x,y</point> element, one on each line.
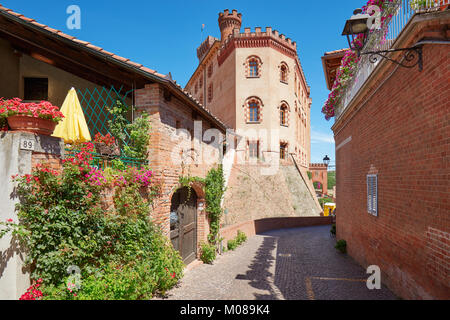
<point>228,22</point>
<point>318,166</point>
<point>234,14</point>
<point>205,46</point>
<point>259,33</point>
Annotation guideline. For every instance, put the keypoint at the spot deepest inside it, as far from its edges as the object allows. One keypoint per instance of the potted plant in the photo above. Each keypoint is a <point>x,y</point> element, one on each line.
<point>39,118</point>
<point>106,145</point>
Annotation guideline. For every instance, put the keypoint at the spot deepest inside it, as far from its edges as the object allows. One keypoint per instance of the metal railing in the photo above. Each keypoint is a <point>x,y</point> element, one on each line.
<point>394,19</point>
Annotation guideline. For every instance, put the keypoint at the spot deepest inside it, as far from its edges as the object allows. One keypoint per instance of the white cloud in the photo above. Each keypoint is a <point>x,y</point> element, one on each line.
<point>320,137</point>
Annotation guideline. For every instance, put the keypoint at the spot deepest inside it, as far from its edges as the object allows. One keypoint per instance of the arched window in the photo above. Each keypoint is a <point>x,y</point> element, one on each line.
<point>210,70</point>
<point>210,92</point>
<point>253,67</point>
<point>253,112</point>
<point>283,115</point>
<point>283,150</point>
<point>284,72</point>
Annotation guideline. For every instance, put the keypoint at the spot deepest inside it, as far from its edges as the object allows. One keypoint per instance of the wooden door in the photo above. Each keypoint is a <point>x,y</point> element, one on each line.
<point>183,223</point>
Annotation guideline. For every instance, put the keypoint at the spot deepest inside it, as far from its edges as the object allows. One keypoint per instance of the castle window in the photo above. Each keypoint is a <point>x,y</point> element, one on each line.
<point>210,92</point>
<point>253,67</point>
<point>253,149</point>
<point>283,151</point>
<point>210,70</point>
<point>253,112</point>
<point>284,71</point>
<point>283,116</point>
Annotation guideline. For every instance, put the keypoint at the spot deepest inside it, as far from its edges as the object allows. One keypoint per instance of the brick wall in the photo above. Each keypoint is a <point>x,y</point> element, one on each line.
<point>319,173</point>
<point>400,131</point>
<point>253,227</point>
<point>167,113</point>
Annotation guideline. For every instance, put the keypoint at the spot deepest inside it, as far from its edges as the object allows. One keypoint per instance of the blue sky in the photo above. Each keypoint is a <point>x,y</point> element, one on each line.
<point>164,35</point>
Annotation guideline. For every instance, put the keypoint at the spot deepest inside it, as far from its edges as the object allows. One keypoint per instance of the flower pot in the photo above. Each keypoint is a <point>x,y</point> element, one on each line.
<point>108,150</point>
<point>32,124</point>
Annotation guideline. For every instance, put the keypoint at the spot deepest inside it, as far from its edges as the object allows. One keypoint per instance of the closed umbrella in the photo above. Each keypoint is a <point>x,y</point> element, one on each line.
<point>73,128</point>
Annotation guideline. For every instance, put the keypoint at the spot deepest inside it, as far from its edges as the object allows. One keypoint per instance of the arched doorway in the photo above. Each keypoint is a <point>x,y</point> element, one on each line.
<point>183,223</point>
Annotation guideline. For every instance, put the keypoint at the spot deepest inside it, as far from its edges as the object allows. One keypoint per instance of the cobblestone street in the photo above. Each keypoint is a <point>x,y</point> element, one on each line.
<point>291,264</point>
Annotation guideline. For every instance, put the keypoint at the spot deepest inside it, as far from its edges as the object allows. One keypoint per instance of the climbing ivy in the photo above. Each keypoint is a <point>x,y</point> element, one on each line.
<point>214,190</point>
<point>187,181</point>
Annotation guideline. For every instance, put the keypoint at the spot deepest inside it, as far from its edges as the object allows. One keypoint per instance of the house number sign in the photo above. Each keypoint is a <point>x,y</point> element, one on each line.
<point>27,144</point>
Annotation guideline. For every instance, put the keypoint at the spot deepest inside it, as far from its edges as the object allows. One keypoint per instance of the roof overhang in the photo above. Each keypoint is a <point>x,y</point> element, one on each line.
<point>331,62</point>
<point>85,60</point>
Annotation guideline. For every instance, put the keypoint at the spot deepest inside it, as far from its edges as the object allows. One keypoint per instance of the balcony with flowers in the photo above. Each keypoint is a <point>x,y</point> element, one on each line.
<point>387,20</point>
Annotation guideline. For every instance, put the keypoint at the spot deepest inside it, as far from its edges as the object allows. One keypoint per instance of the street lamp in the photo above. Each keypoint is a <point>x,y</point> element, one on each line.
<point>359,23</point>
<point>326,160</point>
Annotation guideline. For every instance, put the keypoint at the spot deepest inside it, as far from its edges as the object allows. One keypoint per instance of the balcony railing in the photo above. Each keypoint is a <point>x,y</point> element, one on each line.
<point>395,18</point>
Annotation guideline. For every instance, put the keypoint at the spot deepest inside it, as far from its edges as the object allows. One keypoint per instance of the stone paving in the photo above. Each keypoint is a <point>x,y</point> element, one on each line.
<point>290,264</point>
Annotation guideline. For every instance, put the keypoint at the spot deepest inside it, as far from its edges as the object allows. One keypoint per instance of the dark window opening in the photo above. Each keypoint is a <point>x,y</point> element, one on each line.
<point>35,89</point>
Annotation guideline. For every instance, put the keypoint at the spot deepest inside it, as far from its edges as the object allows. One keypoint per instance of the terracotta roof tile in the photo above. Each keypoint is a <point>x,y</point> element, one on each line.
<point>94,47</point>
<point>67,36</point>
<point>107,52</point>
<point>26,19</point>
<point>38,24</point>
<point>81,41</point>
<point>145,69</point>
<point>134,64</point>
<point>336,51</point>
<point>120,58</point>
<point>14,13</point>
<point>51,29</point>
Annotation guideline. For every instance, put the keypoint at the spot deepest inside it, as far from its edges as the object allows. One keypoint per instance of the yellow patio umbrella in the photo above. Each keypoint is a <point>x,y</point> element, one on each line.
<point>73,128</point>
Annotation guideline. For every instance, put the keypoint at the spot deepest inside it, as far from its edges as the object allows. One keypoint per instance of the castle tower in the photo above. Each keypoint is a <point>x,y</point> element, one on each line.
<point>228,22</point>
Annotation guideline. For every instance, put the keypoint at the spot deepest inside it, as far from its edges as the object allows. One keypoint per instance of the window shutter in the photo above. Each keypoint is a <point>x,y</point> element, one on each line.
<point>372,194</point>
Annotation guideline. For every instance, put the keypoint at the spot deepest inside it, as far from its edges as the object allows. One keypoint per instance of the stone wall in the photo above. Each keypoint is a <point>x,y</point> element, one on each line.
<point>251,195</point>
<point>14,279</point>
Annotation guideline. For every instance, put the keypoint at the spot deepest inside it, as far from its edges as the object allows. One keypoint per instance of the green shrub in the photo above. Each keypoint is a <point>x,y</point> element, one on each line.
<point>232,245</point>
<point>241,238</point>
<point>341,245</point>
<point>237,241</point>
<point>208,253</point>
<point>333,229</point>
<point>120,253</point>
